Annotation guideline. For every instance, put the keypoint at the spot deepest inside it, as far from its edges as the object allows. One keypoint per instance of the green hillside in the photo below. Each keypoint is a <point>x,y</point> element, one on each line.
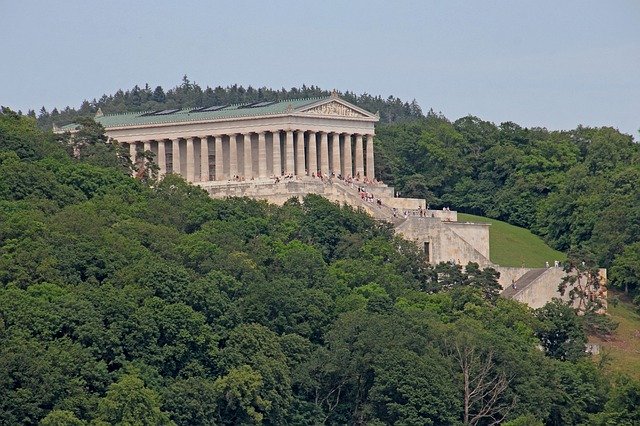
<point>621,352</point>
<point>514,246</point>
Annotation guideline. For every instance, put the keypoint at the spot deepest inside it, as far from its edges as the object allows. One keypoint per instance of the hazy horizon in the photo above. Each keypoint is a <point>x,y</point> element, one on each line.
<point>539,65</point>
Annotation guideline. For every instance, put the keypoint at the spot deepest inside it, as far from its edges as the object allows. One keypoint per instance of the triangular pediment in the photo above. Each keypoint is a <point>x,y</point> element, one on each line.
<point>336,107</point>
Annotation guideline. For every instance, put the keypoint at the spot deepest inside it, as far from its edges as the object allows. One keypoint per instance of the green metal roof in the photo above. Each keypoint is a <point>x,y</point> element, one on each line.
<point>183,115</point>
<point>66,128</point>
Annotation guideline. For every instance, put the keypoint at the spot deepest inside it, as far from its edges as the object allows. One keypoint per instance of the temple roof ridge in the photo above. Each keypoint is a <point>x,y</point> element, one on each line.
<point>314,98</point>
<point>257,108</point>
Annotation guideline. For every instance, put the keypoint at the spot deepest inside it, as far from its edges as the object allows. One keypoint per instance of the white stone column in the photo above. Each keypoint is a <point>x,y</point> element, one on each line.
<point>300,160</point>
<point>133,153</point>
<point>324,154</point>
<point>335,154</point>
<point>162,158</point>
<point>312,154</point>
<point>175,155</point>
<point>204,158</point>
<point>146,146</point>
<point>248,157</point>
<point>277,155</point>
<point>347,169</point>
<point>262,155</point>
<point>233,156</point>
<point>190,175</point>
<point>219,172</point>
<point>359,157</point>
<point>290,169</point>
<point>370,168</point>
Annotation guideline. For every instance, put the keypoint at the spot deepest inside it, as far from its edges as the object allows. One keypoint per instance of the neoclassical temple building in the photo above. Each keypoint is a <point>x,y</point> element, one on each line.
<point>305,137</point>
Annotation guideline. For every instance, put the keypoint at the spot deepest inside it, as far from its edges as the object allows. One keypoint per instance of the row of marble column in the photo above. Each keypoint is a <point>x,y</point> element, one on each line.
<point>292,152</point>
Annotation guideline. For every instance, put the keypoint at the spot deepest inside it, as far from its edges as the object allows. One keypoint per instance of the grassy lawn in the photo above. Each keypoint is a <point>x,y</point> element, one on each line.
<point>621,353</point>
<point>513,246</point>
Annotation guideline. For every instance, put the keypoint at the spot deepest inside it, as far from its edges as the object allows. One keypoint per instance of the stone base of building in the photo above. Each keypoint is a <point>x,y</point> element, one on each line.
<point>278,191</point>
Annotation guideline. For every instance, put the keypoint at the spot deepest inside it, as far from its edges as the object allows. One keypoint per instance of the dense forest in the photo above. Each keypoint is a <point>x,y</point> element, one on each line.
<point>128,301</point>
<point>190,95</point>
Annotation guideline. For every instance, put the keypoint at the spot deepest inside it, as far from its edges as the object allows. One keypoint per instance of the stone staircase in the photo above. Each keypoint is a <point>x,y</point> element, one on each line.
<point>523,282</point>
<point>382,212</point>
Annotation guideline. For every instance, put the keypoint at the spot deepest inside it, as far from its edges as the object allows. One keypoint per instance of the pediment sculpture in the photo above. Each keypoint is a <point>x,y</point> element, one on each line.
<point>335,108</point>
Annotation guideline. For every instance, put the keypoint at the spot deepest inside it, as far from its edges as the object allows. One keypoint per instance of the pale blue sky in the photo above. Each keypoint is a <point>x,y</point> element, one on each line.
<point>538,63</point>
